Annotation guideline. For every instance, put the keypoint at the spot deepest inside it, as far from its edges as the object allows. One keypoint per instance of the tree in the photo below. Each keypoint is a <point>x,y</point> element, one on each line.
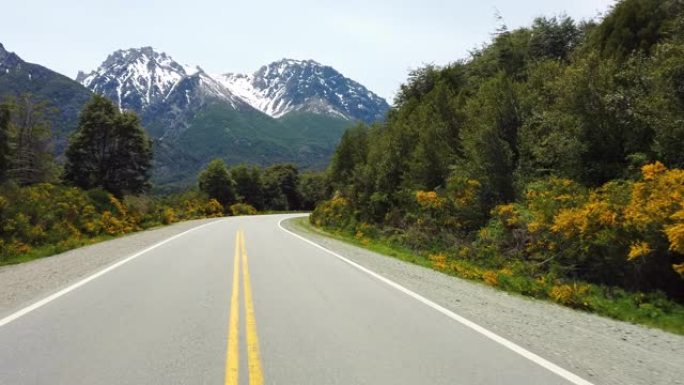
<point>554,38</point>
<point>30,141</point>
<point>351,151</point>
<point>635,25</point>
<point>216,182</point>
<point>280,187</point>
<point>249,186</point>
<point>109,149</point>
<point>4,141</point>
<point>312,189</point>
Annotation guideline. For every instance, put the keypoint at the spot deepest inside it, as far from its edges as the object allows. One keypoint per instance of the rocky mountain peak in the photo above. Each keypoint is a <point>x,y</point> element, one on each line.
<point>290,85</point>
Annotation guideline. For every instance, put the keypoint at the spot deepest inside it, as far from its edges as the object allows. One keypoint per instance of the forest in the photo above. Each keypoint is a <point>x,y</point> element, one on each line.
<point>549,163</point>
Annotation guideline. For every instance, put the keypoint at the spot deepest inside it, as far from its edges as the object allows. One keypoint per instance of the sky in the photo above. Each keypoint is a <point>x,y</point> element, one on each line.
<point>373,42</point>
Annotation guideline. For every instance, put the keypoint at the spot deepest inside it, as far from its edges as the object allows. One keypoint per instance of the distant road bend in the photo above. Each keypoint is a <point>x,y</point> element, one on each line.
<point>242,300</point>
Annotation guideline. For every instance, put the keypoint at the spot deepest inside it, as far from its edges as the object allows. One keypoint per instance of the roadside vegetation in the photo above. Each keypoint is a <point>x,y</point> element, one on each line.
<point>101,189</point>
<point>549,163</point>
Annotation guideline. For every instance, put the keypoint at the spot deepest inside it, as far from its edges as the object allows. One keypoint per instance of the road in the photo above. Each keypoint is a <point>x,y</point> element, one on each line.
<point>243,301</point>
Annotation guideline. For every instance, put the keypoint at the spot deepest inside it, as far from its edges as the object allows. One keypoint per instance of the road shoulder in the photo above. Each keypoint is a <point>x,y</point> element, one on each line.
<point>25,283</point>
<point>601,350</point>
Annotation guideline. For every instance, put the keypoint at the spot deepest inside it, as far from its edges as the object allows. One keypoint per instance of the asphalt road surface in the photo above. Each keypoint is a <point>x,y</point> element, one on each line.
<point>243,301</point>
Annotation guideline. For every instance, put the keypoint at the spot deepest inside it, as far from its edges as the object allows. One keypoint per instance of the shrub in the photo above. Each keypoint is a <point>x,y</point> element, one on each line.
<point>573,295</point>
<point>336,212</point>
<point>242,209</point>
<point>60,217</point>
<point>213,209</point>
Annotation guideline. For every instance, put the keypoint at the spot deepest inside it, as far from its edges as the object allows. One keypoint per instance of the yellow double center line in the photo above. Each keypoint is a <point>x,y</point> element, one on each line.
<point>256,376</point>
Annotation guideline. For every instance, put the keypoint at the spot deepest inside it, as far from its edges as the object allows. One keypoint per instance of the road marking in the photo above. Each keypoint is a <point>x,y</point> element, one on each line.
<point>232,352</point>
<point>52,297</point>
<point>573,378</point>
<point>256,376</point>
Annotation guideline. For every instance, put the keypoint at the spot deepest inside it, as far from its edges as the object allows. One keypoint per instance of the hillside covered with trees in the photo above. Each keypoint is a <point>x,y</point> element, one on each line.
<point>550,163</point>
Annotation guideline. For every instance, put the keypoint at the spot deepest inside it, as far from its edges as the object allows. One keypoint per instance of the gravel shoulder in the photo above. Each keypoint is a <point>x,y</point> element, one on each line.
<point>23,284</point>
<point>601,350</point>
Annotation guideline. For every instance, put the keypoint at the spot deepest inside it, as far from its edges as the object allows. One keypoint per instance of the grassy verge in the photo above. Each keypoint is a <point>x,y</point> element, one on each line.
<point>49,250</point>
<point>648,309</point>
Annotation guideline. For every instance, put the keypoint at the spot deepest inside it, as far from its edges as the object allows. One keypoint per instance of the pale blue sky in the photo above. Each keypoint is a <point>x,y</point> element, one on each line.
<point>373,42</point>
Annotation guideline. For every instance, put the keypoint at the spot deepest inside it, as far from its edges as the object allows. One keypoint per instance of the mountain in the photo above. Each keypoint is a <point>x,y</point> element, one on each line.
<point>307,86</point>
<point>287,111</point>
<point>165,93</point>
<point>18,77</point>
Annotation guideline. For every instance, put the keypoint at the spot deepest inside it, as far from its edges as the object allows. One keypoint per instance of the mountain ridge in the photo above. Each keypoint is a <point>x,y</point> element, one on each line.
<point>192,117</point>
<point>19,77</point>
<point>137,78</point>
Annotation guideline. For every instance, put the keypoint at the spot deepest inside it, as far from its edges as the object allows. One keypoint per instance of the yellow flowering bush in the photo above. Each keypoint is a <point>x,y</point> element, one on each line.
<point>65,217</point>
<point>335,212</point>
<point>491,278</point>
<point>213,209</point>
<point>573,295</point>
<point>439,261</point>
<point>242,209</point>
<point>429,200</point>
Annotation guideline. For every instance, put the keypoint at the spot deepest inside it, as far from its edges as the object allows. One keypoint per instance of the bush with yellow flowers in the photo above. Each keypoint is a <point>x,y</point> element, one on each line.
<point>625,233</point>
<point>336,212</point>
<point>55,218</point>
<point>242,209</point>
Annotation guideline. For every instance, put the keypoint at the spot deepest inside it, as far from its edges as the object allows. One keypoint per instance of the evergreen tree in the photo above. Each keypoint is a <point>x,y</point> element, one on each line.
<point>216,182</point>
<point>351,151</point>
<point>109,149</point>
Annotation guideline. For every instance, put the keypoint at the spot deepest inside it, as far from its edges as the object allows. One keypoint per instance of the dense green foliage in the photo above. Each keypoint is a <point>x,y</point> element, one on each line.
<point>27,140</point>
<point>4,141</point>
<point>109,150</point>
<point>279,187</point>
<point>555,152</point>
<point>216,182</point>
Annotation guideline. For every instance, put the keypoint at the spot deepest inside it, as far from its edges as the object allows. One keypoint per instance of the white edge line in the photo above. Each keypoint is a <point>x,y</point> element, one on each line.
<point>575,379</point>
<point>52,297</point>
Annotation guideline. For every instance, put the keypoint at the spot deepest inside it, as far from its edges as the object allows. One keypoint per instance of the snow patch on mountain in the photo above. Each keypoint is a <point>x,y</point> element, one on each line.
<point>143,78</point>
<point>305,85</point>
<point>139,78</point>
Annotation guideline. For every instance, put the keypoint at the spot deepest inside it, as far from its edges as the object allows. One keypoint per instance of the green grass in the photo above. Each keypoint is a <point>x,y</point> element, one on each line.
<point>401,253</point>
<point>648,309</point>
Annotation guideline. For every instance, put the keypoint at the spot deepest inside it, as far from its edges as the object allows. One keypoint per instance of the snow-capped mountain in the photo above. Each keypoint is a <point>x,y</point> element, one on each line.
<point>194,117</point>
<point>305,85</point>
<point>165,93</point>
<point>140,78</point>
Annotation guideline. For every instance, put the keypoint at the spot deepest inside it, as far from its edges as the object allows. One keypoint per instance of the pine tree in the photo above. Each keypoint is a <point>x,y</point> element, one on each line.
<point>108,150</point>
